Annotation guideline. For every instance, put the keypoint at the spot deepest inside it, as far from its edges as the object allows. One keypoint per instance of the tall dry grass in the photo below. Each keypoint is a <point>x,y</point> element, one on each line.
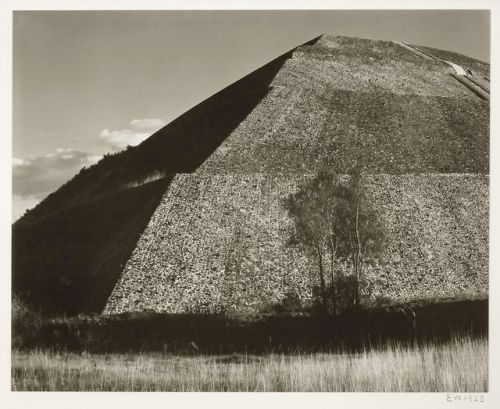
<point>458,366</point>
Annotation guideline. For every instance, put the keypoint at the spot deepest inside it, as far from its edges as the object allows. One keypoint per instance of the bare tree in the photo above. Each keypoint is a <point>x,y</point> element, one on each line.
<point>334,219</point>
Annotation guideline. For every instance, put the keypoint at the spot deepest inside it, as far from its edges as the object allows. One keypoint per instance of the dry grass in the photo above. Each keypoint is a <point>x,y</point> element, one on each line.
<point>458,366</point>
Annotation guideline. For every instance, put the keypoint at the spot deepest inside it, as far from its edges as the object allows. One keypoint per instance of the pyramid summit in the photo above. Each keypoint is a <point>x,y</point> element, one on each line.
<point>193,218</point>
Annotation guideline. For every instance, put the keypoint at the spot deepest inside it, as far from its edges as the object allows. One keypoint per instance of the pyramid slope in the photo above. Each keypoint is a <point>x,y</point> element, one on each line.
<point>342,100</point>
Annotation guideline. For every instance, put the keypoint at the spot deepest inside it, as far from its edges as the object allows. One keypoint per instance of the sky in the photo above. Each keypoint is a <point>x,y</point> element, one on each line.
<point>90,82</point>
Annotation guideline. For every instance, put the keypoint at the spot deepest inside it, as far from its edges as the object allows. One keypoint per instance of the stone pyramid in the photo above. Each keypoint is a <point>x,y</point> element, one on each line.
<point>192,220</point>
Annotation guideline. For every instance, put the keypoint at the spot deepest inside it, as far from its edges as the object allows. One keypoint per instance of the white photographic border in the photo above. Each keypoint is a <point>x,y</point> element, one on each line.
<point>85,400</point>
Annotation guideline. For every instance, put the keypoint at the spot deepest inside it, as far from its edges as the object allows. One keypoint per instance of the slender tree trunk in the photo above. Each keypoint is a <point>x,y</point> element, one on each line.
<point>333,255</point>
<point>321,276</point>
<point>355,268</point>
<point>358,255</point>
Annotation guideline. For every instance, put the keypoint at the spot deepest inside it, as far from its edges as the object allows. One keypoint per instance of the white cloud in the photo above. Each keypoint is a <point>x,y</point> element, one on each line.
<point>119,140</point>
<point>140,130</point>
<point>18,162</point>
<point>92,159</point>
<point>36,177</point>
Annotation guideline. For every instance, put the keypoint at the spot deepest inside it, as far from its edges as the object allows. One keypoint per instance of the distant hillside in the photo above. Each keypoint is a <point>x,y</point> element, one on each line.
<point>210,232</point>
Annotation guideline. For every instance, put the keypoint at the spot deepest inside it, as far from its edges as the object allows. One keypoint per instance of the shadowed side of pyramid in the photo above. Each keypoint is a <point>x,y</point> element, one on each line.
<point>70,260</point>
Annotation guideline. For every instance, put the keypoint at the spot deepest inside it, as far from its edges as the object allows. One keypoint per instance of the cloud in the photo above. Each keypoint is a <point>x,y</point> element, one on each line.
<point>140,130</point>
<point>119,140</point>
<point>37,176</point>
<point>18,162</point>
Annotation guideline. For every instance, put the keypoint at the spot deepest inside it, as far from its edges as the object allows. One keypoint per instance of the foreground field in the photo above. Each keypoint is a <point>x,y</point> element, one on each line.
<point>459,366</point>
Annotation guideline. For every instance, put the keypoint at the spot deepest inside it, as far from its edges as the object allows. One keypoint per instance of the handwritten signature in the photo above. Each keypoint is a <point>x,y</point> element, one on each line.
<point>465,397</point>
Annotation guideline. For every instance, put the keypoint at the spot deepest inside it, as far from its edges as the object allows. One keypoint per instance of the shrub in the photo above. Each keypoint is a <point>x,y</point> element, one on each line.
<point>26,324</point>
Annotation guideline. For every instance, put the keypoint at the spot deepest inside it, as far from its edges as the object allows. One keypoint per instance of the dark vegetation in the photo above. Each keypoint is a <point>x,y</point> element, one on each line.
<point>286,332</point>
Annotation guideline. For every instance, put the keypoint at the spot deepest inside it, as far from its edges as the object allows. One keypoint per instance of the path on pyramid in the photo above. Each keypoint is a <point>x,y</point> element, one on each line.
<point>211,234</point>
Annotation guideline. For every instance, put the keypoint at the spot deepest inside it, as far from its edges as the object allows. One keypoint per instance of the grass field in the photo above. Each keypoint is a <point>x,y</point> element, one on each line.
<point>460,365</point>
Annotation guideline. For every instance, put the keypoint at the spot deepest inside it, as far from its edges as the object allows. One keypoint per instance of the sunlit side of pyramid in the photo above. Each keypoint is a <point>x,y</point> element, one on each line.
<point>193,218</point>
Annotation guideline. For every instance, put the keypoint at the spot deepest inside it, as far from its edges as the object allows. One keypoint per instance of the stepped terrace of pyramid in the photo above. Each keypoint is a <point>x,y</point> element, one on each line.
<point>193,219</point>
